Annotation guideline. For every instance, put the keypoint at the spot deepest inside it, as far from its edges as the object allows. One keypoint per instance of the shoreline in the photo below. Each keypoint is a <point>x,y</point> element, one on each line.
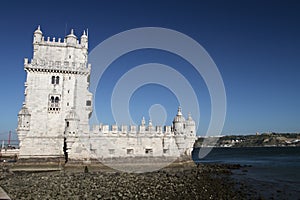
<point>185,181</point>
<point>247,147</point>
<point>244,180</point>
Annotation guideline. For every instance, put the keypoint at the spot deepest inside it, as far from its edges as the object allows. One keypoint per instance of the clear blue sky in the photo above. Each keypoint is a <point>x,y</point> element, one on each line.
<point>255,44</point>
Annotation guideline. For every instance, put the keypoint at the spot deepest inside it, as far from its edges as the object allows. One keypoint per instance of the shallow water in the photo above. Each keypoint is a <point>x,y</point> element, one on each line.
<point>274,171</point>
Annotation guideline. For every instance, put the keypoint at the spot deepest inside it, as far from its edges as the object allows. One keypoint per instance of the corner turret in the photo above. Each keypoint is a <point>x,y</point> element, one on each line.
<point>185,133</point>
<point>71,39</point>
<point>71,132</point>
<point>178,122</point>
<point>84,40</point>
<point>23,123</point>
<point>190,126</point>
<point>72,121</point>
<point>37,35</point>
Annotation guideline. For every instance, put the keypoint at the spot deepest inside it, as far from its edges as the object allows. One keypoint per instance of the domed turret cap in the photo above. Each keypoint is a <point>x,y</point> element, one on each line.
<point>179,117</point>
<point>24,111</point>
<point>71,34</point>
<point>84,35</point>
<point>190,120</point>
<point>38,30</point>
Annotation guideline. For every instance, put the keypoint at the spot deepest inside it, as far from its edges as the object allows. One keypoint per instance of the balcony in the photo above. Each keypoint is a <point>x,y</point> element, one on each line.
<point>54,107</point>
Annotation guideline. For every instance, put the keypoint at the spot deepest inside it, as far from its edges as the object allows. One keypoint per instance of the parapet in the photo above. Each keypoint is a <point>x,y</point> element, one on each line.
<point>57,66</point>
<point>132,130</point>
<point>55,55</point>
<point>69,41</point>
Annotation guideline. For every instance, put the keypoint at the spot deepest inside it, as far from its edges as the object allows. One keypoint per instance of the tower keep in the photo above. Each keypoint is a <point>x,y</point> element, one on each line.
<point>53,115</point>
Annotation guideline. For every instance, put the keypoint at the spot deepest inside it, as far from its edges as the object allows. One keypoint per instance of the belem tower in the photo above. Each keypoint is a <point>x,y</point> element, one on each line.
<point>54,120</point>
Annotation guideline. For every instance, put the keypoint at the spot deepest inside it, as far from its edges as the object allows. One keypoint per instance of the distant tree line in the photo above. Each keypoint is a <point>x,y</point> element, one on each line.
<point>258,140</point>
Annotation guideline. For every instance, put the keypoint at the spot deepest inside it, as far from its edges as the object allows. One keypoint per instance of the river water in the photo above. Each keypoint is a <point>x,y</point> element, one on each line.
<point>271,172</point>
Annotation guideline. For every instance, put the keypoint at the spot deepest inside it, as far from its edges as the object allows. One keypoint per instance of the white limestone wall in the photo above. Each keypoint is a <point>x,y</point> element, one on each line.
<point>82,109</point>
<point>78,150</point>
<point>110,145</point>
<point>67,60</point>
<point>43,124</point>
<point>114,146</point>
<point>53,52</point>
<point>41,147</point>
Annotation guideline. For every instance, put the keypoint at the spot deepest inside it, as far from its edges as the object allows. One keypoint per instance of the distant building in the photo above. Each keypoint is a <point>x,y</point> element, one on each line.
<point>54,119</point>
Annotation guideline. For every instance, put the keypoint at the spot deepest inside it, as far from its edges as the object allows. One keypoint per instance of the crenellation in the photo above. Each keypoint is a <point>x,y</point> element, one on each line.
<point>74,42</point>
<point>25,61</point>
<point>115,130</point>
<point>133,129</point>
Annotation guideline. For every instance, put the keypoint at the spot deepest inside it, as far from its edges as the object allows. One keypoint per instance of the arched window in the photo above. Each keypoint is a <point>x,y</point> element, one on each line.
<point>56,99</point>
<point>53,80</point>
<point>57,80</point>
<point>52,100</point>
<point>54,103</point>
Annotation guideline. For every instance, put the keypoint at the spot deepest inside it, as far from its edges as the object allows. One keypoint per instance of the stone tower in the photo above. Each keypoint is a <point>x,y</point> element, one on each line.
<point>52,115</point>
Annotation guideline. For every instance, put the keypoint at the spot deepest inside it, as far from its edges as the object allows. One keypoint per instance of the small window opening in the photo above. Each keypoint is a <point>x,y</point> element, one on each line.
<point>129,151</point>
<point>111,151</point>
<point>88,103</point>
<point>149,151</point>
<point>53,80</point>
<point>57,80</point>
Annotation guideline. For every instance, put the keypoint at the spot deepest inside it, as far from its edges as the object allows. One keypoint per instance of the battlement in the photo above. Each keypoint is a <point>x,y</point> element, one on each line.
<point>187,129</point>
<point>60,43</point>
<point>132,130</point>
<point>69,41</point>
<point>67,56</point>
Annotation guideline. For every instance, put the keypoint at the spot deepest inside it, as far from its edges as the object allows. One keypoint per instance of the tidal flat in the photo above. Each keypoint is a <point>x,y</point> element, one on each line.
<point>205,181</point>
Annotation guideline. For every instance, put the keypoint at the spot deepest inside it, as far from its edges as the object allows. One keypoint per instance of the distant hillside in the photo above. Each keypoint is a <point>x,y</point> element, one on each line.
<point>261,140</point>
